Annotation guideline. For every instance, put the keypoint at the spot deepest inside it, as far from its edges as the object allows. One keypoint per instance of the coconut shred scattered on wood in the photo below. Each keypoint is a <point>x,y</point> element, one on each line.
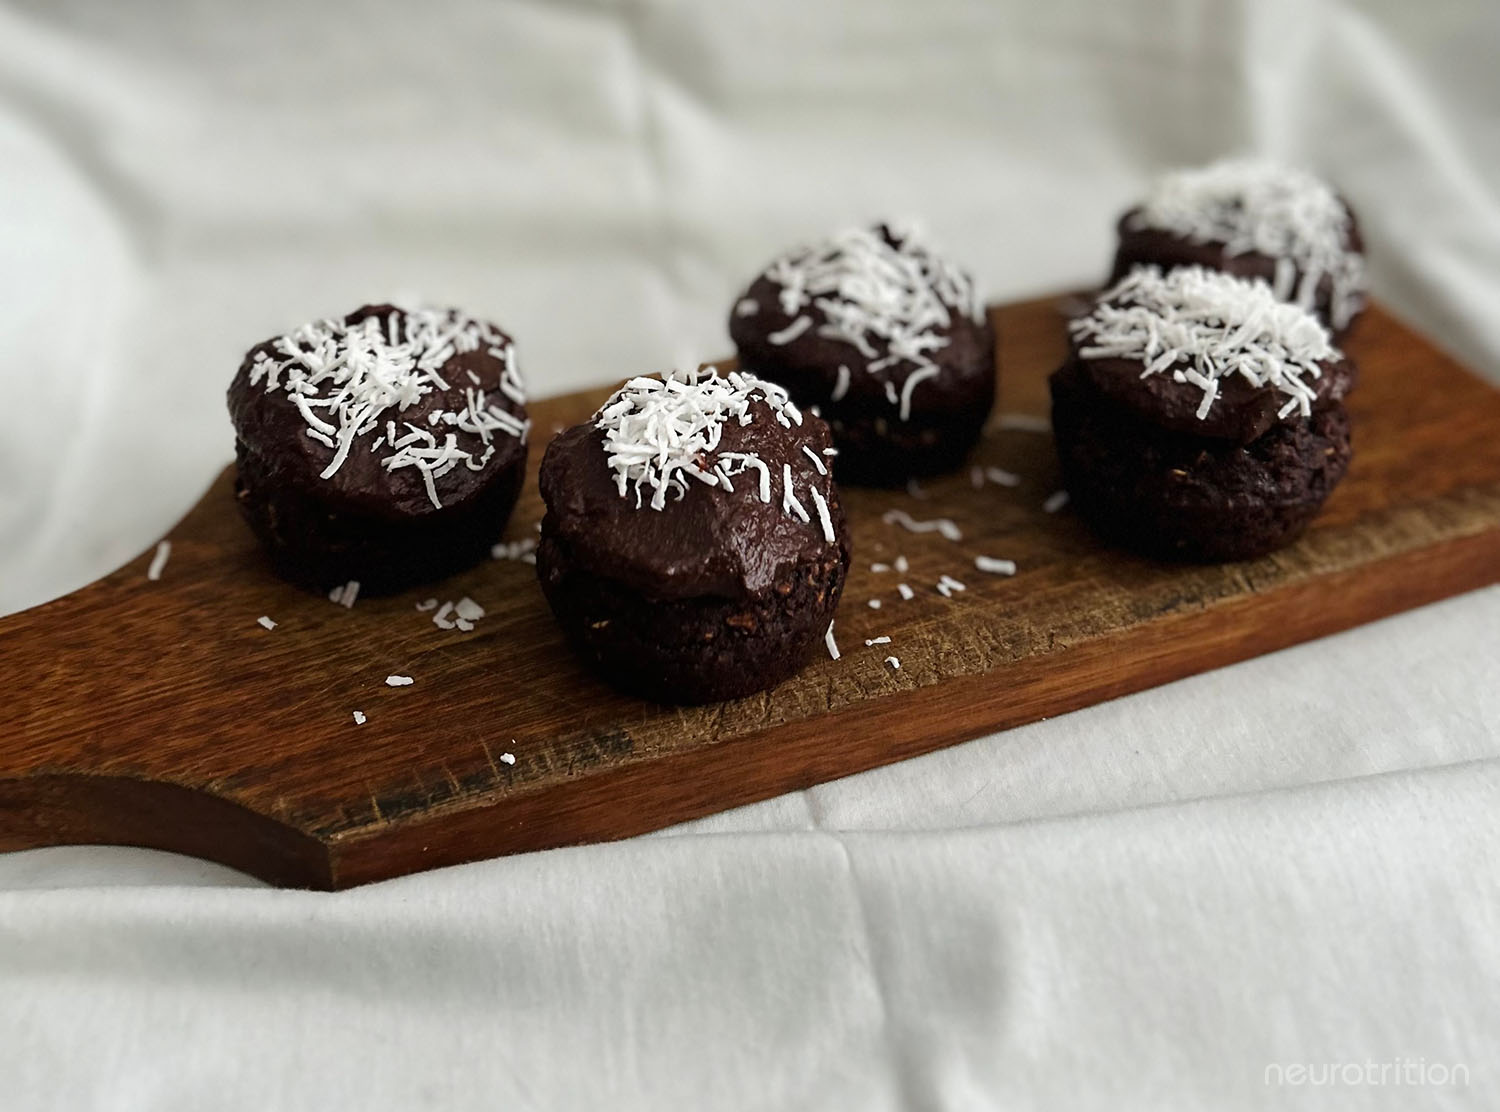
<point>662,436</point>
<point>942,525</point>
<point>883,292</point>
<point>978,476</point>
<point>947,585</point>
<point>523,550</point>
<point>1201,327</point>
<point>458,615</point>
<point>994,565</point>
<point>1250,205</point>
<point>352,382</point>
<point>159,560</point>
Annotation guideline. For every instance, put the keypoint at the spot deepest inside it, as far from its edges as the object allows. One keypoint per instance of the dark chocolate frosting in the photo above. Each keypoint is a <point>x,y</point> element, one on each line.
<point>270,426</point>
<point>1240,413</point>
<point>1206,312</point>
<point>711,541</point>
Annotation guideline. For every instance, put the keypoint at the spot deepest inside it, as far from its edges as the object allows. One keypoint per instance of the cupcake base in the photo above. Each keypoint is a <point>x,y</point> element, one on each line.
<point>693,650</point>
<point>878,450</point>
<point>1173,496</point>
<point>316,545</point>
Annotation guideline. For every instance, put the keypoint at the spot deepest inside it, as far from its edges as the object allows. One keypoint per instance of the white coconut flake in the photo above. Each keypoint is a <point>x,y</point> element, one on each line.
<point>468,609</point>
<point>359,718</point>
<point>265,622</point>
<point>507,758</point>
<point>873,604</point>
<point>789,501</point>
<point>994,565</point>
<point>747,307</point>
<point>1202,326</point>
<point>876,641</point>
<point>920,375</point>
<point>894,662</point>
<point>349,380</point>
<point>947,585</point>
<point>159,560</point>
<point>1055,501</point>
<point>905,592</point>
<point>426,605</point>
<point>344,596</point>
<point>901,565</point>
<point>840,384</point>
<point>833,649</point>
<point>791,331</point>
<point>942,525</point>
<point>514,550</point>
<point>1001,477</point>
<point>399,681</point>
<point>818,464</point>
<point>443,619</point>
<point>823,517</point>
<point>1251,205</point>
<point>878,568</point>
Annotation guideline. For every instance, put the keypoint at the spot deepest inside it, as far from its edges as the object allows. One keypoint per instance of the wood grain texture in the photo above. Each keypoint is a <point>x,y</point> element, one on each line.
<point>160,714</point>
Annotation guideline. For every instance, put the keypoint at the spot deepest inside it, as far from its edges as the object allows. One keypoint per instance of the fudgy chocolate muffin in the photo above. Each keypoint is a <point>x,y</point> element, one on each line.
<point>694,547</point>
<point>1253,219</point>
<point>1198,417</point>
<point>887,339</point>
<point>386,447</point>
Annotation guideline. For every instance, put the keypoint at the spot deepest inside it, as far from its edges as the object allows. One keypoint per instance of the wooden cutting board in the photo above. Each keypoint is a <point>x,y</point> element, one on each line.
<point>159,713</point>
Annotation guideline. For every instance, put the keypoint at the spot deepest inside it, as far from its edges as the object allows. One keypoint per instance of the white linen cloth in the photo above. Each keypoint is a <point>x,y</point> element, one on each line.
<point>1175,900</point>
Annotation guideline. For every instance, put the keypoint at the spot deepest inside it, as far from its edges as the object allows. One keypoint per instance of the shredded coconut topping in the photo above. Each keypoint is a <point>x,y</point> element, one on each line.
<point>663,434</point>
<point>355,380</point>
<point>1202,326</point>
<point>880,290</point>
<point>1286,214</point>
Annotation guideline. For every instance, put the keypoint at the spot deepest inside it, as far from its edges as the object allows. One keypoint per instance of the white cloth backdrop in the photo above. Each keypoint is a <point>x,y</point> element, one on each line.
<point>1159,902</point>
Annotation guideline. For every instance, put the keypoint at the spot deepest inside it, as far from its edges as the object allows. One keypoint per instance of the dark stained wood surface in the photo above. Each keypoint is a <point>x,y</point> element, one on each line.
<point>160,714</point>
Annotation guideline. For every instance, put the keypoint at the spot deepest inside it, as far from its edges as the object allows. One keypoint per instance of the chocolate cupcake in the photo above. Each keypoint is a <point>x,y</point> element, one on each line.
<point>694,546</point>
<point>888,340</point>
<point>1254,220</point>
<point>387,447</point>
<point>1198,417</point>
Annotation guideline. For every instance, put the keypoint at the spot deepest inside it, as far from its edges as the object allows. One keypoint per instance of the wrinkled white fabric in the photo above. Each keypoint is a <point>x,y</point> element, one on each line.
<point>1168,901</point>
